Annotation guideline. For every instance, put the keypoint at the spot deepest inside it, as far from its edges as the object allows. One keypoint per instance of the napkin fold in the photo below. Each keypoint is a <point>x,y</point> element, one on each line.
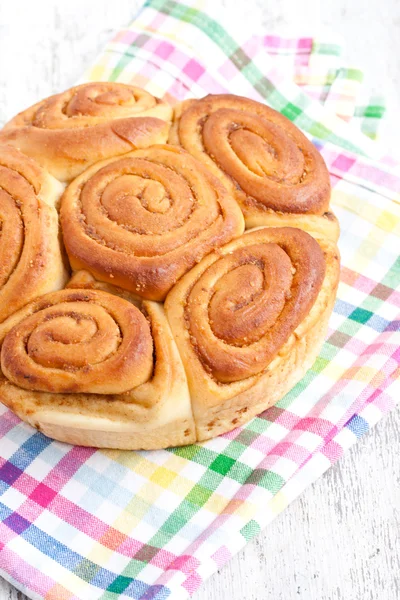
<point>82,524</point>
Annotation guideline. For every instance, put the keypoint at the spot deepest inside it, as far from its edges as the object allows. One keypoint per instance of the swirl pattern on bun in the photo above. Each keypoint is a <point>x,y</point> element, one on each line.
<point>68,132</point>
<point>91,366</point>
<point>142,221</point>
<point>264,160</point>
<point>249,319</point>
<point>75,341</point>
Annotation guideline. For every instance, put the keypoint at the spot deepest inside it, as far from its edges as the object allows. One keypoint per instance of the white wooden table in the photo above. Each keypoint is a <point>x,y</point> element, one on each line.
<point>341,539</point>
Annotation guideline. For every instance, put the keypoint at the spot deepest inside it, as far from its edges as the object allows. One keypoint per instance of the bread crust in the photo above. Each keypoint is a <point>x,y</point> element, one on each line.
<point>263,159</point>
<point>155,414</point>
<point>146,249</point>
<point>31,256</point>
<point>68,132</point>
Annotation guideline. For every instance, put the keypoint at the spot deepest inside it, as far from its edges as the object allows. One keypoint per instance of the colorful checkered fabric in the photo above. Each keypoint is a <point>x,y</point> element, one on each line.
<point>81,524</point>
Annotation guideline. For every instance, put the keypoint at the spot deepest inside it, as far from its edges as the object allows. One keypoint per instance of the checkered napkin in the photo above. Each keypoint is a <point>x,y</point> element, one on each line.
<point>84,524</point>
<point>316,65</point>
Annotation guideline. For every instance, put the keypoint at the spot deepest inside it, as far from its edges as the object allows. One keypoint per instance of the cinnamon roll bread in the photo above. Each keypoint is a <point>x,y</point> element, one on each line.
<point>101,361</point>
<point>142,221</point>
<point>31,261</point>
<point>68,132</point>
<point>86,366</point>
<point>262,158</point>
<point>249,321</point>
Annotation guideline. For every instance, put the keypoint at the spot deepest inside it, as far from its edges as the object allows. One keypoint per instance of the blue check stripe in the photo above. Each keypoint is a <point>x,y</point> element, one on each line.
<point>95,575</point>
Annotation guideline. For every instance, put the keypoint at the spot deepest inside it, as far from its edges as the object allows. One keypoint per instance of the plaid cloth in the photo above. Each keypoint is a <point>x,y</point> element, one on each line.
<point>84,524</point>
<point>316,65</point>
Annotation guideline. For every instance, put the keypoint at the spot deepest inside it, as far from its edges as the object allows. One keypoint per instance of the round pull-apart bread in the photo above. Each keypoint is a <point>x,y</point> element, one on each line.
<point>263,159</point>
<point>68,132</point>
<point>104,362</point>
<point>31,262</point>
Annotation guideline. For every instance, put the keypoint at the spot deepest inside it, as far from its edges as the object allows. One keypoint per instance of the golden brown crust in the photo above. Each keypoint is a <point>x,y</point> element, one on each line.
<point>142,221</point>
<point>75,341</point>
<point>31,261</point>
<point>224,398</point>
<point>154,414</point>
<point>324,226</point>
<point>320,226</point>
<point>68,132</point>
<point>262,158</point>
<point>245,305</point>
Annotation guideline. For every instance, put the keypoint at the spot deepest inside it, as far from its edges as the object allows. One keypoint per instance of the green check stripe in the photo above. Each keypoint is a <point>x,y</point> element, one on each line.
<point>326,48</point>
<point>246,66</point>
<point>375,112</point>
<point>353,74</point>
<point>127,55</point>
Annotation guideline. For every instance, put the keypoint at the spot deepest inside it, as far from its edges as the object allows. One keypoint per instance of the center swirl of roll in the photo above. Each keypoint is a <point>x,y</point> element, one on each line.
<point>251,143</point>
<point>246,304</point>
<point>11,236</point>
<point>130,205</point>
<point>248,293</point>
<point>79,341</point>
<point>271,164</point>
<point>69,336</point>
<point>19,217</point>
<point>146,219</point>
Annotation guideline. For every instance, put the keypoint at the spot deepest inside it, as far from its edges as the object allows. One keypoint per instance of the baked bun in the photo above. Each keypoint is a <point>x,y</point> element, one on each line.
<point>262,158</point>
<point>249,321</point>
<point>31,262</point>
<point>68,132</point>
<point>88,367</point>
<point>141,221</point>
